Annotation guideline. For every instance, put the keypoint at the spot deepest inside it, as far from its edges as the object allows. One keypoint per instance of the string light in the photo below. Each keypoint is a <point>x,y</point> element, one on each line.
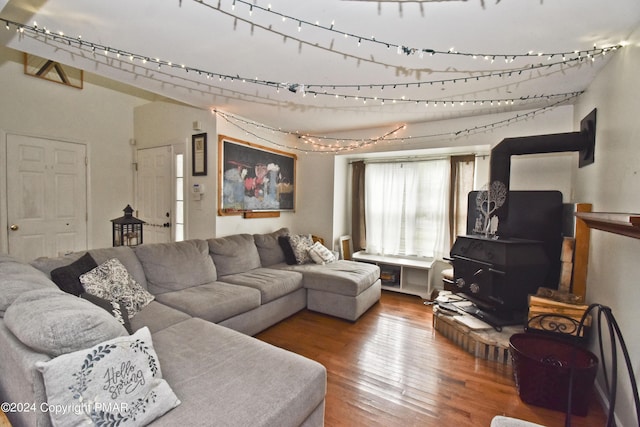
<point>452,102</point>
<point>313,89</point>
<point>402,49</point>
<point>307,88</point>
<point>337,145</point>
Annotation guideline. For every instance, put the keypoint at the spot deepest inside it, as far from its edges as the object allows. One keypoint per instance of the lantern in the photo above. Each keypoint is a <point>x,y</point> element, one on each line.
<point>127,230</point>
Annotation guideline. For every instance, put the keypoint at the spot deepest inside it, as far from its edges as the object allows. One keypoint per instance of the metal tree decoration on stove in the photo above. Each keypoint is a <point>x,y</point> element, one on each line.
<point>488,200</point>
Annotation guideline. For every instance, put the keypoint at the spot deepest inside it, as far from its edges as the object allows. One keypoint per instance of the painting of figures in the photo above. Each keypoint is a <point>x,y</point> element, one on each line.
<point>254,178</point>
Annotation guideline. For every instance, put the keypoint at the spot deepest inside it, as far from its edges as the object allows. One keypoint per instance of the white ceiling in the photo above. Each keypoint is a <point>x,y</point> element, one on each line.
<point>206,39</point>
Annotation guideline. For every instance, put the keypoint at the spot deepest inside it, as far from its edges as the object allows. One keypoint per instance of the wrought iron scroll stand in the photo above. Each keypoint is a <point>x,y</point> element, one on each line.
<point>611,387</point>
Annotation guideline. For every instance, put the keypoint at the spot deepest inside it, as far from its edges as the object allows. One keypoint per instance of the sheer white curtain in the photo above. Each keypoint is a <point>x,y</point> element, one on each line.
<point>406,208</point>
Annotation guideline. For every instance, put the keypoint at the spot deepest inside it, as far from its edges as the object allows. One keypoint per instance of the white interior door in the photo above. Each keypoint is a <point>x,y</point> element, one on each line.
<point>154,195</point>
<point>46,196</point>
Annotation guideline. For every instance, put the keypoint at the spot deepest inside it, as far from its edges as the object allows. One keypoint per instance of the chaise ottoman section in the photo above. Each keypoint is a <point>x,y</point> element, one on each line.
<point>344,289</point>
<point>235,380</point>
<point>343,306</point>
<point>342,277</point>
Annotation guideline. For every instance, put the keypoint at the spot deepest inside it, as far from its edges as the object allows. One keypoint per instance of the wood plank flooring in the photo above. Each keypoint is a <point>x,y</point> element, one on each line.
<point>391,368</point>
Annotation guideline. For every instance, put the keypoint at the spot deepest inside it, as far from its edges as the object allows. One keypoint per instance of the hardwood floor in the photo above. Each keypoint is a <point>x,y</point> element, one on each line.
<point>391,368</point>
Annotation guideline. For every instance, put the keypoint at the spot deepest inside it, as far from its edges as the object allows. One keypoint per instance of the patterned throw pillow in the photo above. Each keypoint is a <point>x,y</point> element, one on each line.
<point>320,254</point>
<point>117,382</point>
<point>111,281</point>
<point>300,244</point>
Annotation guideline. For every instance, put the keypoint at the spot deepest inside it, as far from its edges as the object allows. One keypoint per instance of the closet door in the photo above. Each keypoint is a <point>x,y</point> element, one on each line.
<point>46,196</point>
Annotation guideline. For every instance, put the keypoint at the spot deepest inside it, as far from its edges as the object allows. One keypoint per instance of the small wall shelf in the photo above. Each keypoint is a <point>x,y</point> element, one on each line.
<point>626,224</point>
<point>398,274</point>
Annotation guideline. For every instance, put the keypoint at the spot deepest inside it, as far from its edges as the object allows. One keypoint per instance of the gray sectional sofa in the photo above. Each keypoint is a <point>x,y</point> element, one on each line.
<point>209,297</point>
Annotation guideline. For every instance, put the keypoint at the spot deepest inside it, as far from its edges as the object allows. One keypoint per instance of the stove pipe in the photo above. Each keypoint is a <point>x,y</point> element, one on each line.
<point>583,141</point>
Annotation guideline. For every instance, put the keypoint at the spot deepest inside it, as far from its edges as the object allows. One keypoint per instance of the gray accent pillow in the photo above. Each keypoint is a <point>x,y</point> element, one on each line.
<point>234,254</point>
<point>54,322</point>
<point>269,248</point>
<point>111,281</point>
<point>176,266</point>
<point>117,382</point>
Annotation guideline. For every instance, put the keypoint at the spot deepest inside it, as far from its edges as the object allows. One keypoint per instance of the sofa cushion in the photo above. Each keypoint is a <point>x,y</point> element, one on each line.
<point>271,283</point>
<point>214,301</point>
<point>111,281</point>
<point>234,254</point>
<point>54,322</point>
<point>48,264</point>
<point>117,382</point>
<point>17,278</point>
<point>68,277</point>
<point>269,249</point>
<point>174,266</point>
<point>157,316</point>
<point>114,308</point>
<point>253,383</point>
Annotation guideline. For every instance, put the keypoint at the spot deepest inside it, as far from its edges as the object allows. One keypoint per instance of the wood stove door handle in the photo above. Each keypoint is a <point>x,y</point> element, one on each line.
<point>464,258</point>
<point>500,272</point>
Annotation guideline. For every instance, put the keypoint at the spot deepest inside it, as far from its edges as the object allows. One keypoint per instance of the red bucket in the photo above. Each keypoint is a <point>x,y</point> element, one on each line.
<point>541,367</point>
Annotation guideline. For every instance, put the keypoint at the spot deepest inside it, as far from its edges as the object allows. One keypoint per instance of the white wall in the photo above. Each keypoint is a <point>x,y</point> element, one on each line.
<point>100,115</point>
<point>168,123</point>
<point>611,184</point>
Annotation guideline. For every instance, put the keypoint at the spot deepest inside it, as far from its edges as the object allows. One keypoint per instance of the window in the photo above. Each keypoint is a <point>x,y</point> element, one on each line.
<point>406,208</point>
<point>179,201</point>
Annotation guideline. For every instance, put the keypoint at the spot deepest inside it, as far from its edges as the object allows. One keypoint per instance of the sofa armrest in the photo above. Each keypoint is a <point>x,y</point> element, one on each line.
<point>20,381</point>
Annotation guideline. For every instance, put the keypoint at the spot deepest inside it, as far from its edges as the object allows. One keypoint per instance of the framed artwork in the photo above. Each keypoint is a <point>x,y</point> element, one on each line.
<point>253,178</point>
<point>53,71</point>
<point>346,249</point>
<point>199,154</point>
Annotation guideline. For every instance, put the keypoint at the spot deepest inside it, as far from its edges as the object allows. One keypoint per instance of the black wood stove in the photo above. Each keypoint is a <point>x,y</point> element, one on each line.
<point>498,274</point>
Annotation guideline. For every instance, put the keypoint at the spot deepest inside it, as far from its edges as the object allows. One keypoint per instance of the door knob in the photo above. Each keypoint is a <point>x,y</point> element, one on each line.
<point>14,227</point>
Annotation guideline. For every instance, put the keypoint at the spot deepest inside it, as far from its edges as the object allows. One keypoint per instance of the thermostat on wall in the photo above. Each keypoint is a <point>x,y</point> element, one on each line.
<point>197,190</point>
